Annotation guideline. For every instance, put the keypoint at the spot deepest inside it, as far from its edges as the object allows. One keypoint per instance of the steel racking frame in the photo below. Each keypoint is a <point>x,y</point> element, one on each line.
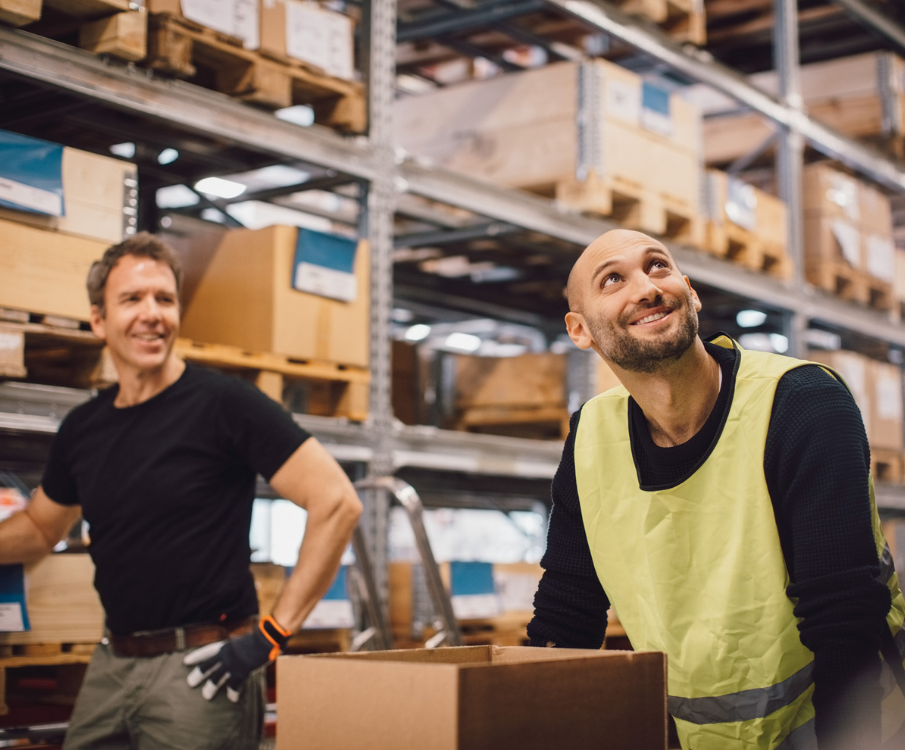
<point>381,444</point>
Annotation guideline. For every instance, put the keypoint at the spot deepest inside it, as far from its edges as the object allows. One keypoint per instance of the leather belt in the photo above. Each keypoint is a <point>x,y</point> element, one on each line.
<point>159,642</point>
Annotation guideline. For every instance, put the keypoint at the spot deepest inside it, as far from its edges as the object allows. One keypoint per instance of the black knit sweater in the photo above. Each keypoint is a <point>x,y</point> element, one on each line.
<point>816,464</point>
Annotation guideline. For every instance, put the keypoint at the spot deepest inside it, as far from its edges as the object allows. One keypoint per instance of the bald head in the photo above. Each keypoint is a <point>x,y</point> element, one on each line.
<point>614,241</point>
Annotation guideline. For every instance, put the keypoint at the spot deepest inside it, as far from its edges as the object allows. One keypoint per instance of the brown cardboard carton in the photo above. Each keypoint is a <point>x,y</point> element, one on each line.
<point>473,698</point>
<point>899,284</point>
<point>886,407</point>
<point>522,130</point>
<point>310,33</point>
<point>526,380</point>
<point>44,272</point>
<point>832,193</point>
<point>856,371</point>
<point>63,606</point>
<point>245,298</point>
<point>99,195</point>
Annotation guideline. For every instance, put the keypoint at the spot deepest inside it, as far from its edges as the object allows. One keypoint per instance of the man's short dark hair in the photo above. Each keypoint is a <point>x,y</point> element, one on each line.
<point>142,245</point>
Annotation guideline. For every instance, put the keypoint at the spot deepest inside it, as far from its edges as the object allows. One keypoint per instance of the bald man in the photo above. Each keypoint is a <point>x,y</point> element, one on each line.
<point>721,501</point>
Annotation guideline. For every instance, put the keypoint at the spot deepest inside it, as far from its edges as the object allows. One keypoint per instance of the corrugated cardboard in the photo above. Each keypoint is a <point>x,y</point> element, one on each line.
<point>473,698</point>
<point>245,298</point>
<point>63,606</point>
<point>44,272</point>
<point>96,189</point>
<point>522,130</point>
<point>856,370</point>
<point>886,406</point>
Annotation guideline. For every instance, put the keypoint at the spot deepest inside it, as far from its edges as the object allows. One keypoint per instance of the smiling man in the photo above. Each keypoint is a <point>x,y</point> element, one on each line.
<point>721,501</point>
<point>163,467</point>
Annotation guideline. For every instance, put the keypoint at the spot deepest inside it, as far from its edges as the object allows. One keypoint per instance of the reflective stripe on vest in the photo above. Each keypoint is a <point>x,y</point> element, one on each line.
<point>671,563</point>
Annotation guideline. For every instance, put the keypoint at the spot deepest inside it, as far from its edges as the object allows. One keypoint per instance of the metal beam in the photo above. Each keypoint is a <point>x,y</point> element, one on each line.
<point>462,21</point>
<point>875,21</point>
<point>480,231</point>
<point>190,107</point>
<point>699,65</point>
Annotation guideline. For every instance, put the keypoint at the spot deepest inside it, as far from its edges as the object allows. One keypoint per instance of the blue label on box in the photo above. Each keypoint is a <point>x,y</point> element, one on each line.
<point>13,613</point>
<point>31,174</point>
<point>324,265</point>
<point>655,109</point>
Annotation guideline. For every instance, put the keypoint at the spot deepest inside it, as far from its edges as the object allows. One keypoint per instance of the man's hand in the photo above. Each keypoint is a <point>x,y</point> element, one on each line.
<point>230,662</point>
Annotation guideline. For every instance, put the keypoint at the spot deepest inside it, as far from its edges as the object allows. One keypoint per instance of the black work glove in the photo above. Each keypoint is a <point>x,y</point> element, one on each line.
<point>230,662</point>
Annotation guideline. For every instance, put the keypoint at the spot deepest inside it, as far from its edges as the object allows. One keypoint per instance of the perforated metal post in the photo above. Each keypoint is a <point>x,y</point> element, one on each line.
<point>790,154</point>
<point>379,64</point>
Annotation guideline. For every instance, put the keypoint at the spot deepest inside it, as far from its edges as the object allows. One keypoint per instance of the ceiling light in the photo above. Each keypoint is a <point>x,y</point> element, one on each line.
<point>220,188</point>
<point>466,342</point>
<point>167,156</point>
<point>418,332</point>
<point>750,318</point>
<point>176,196</point>
<point>124,150</point>
<point>780,343</point>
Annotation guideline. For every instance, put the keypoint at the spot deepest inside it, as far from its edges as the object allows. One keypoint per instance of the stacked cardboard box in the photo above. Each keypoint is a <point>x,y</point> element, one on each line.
<point>512,395</point>
<point>268,291</point>
<point>849,248</point>
<point>877,389</point>
<point>746,224</point>
<point>53,227</point>
<point>862,96</point>
<point>595,135</point>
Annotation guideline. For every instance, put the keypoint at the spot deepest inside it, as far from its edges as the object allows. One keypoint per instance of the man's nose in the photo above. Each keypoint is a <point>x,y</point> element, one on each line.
<point>643,287</point>
<point>150,309</point>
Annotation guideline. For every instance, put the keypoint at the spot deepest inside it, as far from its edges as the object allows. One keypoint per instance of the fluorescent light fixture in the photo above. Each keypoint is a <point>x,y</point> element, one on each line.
<point>125,150</point>
<point>780,343</point>
<point>176,196</point>
<point>750,318</point>
<point>419,332</point>
<point>167,156</point>
<point>464,341</point>
<point>300,114</point>
<point>402,315</point>
<point>220,188</point>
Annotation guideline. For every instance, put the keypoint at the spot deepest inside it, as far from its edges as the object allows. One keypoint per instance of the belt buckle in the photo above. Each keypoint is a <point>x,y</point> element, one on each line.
<point>180,638</point>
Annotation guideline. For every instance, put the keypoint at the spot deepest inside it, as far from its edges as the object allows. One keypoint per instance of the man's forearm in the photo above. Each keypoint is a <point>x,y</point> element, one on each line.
<point>326,538</point>
<point>22,540</point>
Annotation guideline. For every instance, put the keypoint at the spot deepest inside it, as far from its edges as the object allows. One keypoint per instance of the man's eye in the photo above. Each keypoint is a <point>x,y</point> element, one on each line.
<point>611,279</point>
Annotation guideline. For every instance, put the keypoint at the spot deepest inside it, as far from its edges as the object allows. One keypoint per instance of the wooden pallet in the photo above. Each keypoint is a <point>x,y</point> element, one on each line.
<point>537,422</point>
<point>886,465</point>
<point>632,206</point>
<point>322,388</point>
<point>748,249</point>
<point>683,20</point>
<point>840,279</point>
<point>181,48</point>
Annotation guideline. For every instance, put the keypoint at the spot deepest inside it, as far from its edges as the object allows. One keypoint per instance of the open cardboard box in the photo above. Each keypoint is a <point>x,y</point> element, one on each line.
<point>472,698</point>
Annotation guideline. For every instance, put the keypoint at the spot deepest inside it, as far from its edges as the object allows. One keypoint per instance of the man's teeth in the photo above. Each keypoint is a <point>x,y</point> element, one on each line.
<point>652,318</point>
<point>149,336</point>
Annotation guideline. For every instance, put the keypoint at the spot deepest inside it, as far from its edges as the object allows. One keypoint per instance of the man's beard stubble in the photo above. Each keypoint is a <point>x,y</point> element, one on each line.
<point>629,353</point>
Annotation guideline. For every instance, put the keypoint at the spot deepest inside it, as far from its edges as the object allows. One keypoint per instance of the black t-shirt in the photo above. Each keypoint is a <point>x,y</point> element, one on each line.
<point>816,465</point>
<point>167,487</point>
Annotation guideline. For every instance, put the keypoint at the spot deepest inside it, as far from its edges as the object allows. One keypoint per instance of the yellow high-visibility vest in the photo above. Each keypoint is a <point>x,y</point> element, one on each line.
<point>697,571</point>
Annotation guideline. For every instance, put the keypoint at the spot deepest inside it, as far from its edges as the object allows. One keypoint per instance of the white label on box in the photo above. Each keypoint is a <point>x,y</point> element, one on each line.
<point>476,606</point>
<point>881,257</point>
<point>326,282</point>
<point>11,620</point>
<point>623,101</point>
<point>320,37</point>
<point>27,196</point>
<point>849,239</point>
<point>889,397</point>
<point>331,613</point>
<point>742,204</point>
<point>11,342</point>
<point>844,193</point>
<point>238,18</point>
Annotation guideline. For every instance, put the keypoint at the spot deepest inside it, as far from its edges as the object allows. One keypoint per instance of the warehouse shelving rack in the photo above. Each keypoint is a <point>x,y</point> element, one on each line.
<point>382,445</point>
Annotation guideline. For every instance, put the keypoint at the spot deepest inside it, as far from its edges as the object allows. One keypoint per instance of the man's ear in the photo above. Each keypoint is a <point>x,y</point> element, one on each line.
<point>578,330</point>
<point>694,295</point>
<point>98,324</point>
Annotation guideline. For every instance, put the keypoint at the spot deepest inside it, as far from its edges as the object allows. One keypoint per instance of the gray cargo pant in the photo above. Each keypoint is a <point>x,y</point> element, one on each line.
<point>145,704</point>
